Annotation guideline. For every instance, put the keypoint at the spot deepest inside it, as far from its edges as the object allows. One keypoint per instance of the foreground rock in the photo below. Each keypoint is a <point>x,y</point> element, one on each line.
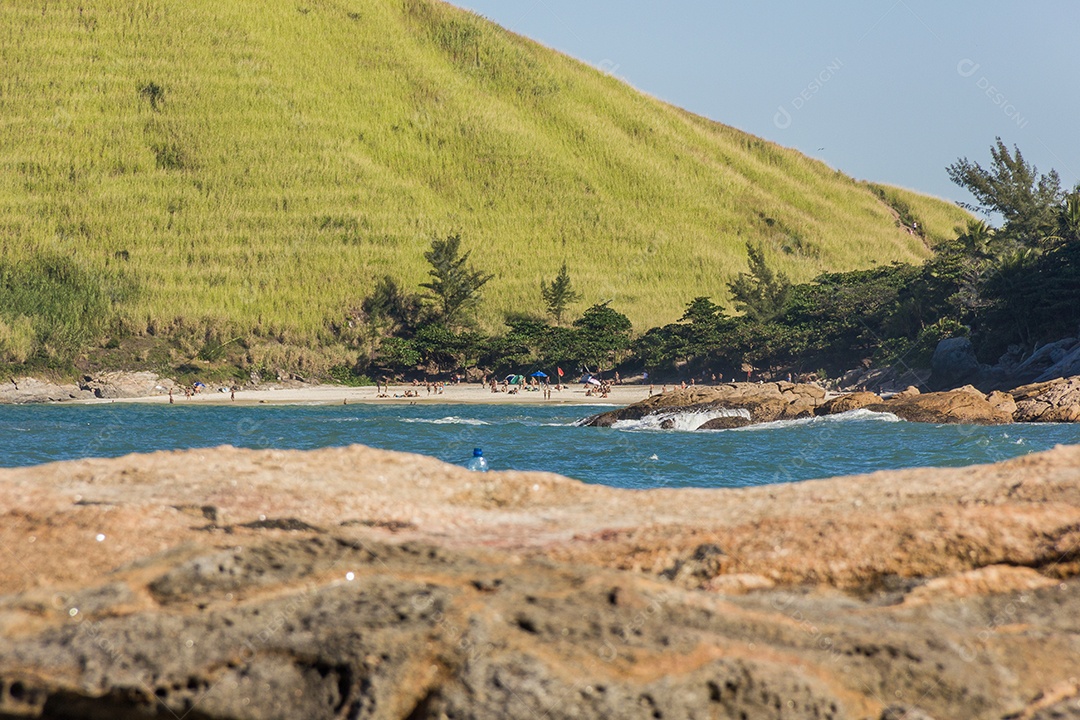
<point>365,584</point>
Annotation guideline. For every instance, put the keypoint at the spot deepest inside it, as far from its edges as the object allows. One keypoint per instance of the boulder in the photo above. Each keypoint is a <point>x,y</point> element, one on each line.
<point>765,402</point>
<point>26,390</point>
<point>726,423</point>
<point>1041,362</point>
<point>1067,366</point>
<point>1002,402</point>
<point>963,407</point>
<point>847,403</point>
<point>909,391</point>
<point>1054,401</point>
<point>882,380</point>
<point>124,384</point>
<point>954,363</point>
<point>971,390</point>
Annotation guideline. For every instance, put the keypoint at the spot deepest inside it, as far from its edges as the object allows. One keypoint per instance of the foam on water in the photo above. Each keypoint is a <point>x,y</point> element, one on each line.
<point>861,415</point>
<point>451,420</point>
<point>679,420</point>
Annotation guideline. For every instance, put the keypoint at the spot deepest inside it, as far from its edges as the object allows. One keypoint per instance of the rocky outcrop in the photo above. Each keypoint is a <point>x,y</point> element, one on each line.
<point>108,385</point>
<point>25,390</point>
<point>882,379</point>
<point>123,384</point>
<point>965,405</point>
<point>1054,401</point>
<point>352,582</point>
<point>761,402</point>
<point>847,403</point>
<point>954,363</point>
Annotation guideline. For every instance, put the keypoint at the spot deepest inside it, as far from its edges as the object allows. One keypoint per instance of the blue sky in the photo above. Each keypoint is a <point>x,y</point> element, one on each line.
<point>886,90</point>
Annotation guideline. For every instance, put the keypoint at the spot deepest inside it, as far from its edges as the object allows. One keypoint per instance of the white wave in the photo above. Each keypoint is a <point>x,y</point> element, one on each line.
<point>679,420</point>
<point>861,415</point>
<point>452,420</point>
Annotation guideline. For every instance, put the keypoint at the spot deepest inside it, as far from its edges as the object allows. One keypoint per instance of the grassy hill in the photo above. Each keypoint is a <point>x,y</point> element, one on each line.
<point>254,167</point>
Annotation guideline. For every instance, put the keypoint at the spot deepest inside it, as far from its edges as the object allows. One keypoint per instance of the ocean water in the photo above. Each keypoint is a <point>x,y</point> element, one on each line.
<point>530,437</point>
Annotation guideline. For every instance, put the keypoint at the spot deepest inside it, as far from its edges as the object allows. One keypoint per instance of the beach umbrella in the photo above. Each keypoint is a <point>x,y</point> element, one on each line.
<point>539,374</point>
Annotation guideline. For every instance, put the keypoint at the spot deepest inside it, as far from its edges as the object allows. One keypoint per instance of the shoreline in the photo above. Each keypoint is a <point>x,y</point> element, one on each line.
<point>464,394</point>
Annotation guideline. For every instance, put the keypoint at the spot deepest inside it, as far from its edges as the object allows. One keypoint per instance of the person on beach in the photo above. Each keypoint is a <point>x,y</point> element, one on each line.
<point>232,393</point>
<point>170,396</point>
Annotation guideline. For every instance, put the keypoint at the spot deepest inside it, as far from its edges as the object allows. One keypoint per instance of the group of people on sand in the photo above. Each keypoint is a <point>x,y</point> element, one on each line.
<point>601,390</point>
<point>196,388</point>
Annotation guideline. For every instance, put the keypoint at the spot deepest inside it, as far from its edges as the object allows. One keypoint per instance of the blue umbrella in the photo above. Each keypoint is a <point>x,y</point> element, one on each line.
<point>539,374</point>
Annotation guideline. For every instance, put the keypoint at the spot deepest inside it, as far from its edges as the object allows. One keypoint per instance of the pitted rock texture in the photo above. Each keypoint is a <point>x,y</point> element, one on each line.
<point>356,583</point>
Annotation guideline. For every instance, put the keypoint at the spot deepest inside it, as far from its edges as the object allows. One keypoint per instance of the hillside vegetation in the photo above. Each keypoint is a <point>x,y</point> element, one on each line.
<point>250,170</point>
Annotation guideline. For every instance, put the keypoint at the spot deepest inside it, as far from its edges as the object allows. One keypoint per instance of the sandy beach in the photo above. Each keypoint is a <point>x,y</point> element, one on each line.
<point>339,394</point>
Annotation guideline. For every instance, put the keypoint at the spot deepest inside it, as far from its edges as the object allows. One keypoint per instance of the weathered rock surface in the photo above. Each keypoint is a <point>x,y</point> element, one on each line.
<point>123,384</point>
<point>358,583</point>
<point>847,403</point>
<point>965,405</point>
<point>27,390</point>
<point>111,385</point>
<point>953,363</point>
<point>1054,401</point>
<point>761,402</point>
<point>882,379</point>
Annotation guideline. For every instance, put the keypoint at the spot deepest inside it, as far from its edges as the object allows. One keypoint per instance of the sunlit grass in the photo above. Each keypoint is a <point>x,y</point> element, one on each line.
<point>257,166</point>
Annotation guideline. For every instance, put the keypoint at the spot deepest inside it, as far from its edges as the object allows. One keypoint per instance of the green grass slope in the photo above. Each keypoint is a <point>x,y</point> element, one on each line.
<point>254,167</point>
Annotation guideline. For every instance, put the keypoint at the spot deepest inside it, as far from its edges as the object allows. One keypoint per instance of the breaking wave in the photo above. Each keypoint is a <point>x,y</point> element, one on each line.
<point>451,420</point>
<point>679,420</point>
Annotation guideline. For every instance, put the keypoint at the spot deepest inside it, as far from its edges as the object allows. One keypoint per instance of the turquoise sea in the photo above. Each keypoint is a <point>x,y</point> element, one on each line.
<point>529,437</point>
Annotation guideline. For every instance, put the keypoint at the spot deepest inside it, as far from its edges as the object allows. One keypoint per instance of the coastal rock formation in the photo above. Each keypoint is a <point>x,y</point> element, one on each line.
<point>352,582</point>
<point>122,384</point>
<point>954,363</point>
<point>1054,401</point>
<point>111,385</point>
<point>965,405</point>
<point>847,403</point>
<point>882,379</point>
<point>761,402</point>
<point>26,390</point>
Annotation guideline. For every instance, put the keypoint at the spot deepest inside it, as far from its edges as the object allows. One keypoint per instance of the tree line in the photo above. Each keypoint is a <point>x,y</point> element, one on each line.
<point>1008,288</point>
